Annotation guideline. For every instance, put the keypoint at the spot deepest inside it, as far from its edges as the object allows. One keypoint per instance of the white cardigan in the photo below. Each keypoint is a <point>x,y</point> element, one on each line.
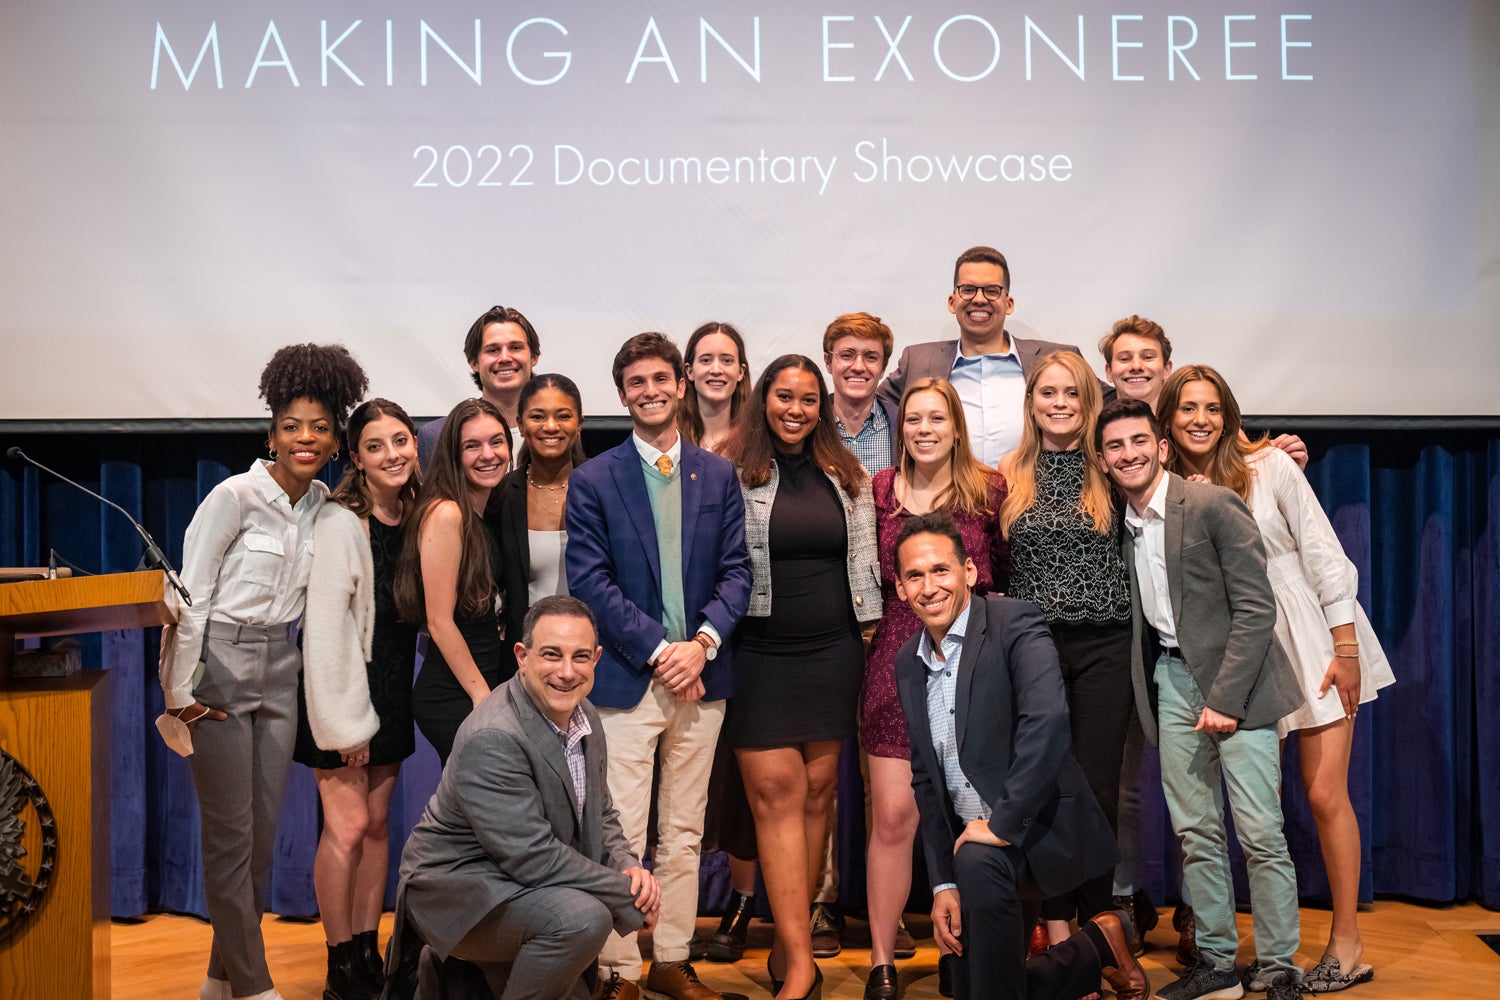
<point>338,630</point>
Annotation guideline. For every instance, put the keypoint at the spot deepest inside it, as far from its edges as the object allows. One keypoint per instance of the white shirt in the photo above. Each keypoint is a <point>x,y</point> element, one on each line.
<point>1150,530</point>
<point>993,390</point>
<point>245,559</point>
<point>649,454</point>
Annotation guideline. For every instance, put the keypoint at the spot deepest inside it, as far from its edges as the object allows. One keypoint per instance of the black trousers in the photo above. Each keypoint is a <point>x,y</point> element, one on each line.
<point>999,903</point>
<point>1095,661</point>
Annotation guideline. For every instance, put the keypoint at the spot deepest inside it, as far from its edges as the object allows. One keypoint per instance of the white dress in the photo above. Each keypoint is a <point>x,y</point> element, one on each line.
<point>1315,586</point>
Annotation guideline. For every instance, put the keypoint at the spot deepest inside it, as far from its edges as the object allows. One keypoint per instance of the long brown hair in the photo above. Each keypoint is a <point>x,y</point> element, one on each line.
<point>689,419</point>
<point>1227,465</point>
<point>1020,478</point>
<point>752,447</point>
<point>352,491</point>
<point>970,487</point>
<point>445,481</point>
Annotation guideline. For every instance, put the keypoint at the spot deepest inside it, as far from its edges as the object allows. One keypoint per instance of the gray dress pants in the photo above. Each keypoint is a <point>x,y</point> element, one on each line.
<point>239,769</point>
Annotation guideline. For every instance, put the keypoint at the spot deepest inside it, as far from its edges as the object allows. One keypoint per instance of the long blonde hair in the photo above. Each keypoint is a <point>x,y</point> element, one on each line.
<point>970,486</point>
<point>1020,478</point>
<point>1227,466</point>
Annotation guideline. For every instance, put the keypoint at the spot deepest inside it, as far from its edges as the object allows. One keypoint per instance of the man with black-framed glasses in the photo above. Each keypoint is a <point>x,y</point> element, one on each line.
<point>986,365</point>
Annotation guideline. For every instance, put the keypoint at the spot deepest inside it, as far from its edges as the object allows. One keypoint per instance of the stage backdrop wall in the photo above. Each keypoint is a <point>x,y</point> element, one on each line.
<point>1417,512</point>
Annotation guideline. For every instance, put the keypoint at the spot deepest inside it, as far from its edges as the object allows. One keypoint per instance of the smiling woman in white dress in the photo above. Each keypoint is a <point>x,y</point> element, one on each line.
<point>1318,622</point>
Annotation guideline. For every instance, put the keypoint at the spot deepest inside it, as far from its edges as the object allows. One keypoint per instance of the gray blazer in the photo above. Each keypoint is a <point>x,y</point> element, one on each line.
<point>859,523</point>
<point>502,820</point>
<point>935,360</point>
<point>1223,606</point>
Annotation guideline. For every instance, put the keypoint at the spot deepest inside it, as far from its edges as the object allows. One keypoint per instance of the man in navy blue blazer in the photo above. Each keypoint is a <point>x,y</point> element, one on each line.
<point>656,549</point>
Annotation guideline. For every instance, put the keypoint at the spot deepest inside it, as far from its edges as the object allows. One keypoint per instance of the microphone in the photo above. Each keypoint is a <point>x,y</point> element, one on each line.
<point>154,556</point>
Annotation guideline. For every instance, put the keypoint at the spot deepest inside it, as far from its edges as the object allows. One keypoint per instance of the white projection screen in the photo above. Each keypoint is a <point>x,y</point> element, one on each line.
<point>1303,193</point>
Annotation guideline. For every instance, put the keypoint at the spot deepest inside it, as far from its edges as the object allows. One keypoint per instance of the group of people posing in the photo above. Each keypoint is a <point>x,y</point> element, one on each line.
<point>1000,574</point>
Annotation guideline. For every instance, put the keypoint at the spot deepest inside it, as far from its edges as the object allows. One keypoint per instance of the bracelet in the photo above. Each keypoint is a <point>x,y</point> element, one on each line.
<point>1346,656</point>
<point>1338,644</point>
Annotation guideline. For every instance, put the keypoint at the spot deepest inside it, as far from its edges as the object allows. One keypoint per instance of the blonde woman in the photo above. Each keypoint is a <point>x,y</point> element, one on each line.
<point>1060,521</point>
<point>935,470</point>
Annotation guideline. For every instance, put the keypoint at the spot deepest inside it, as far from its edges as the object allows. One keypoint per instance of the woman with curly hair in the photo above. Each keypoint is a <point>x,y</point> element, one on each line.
<point>718,383</point>
<point>1318,622</point>
<point>229,667</point>
<point>810,527</point>
<point>356,727</point>
<point>448,578</point>
<point>1060,520</point>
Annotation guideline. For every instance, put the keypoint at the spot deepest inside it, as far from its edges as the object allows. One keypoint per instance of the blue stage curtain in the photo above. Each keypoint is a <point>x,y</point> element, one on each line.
<point>1417,515</point>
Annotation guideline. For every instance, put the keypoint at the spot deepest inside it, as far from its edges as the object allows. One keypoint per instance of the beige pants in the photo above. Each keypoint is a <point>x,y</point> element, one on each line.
<point>683,735</point>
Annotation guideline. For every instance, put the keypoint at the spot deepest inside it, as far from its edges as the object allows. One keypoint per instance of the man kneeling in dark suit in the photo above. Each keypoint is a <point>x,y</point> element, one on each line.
<point>1007,816</point>
<point>518,865</point>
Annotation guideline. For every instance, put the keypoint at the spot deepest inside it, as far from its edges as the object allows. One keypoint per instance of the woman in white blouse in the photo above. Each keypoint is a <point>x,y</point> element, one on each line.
<point>1318,622</point>
<point>229,674</point>
<point>529,515</point>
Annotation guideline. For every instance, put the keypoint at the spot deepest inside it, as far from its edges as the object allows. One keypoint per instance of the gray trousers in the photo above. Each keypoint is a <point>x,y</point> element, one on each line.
<point>239,769</point>
<point>538,944</point>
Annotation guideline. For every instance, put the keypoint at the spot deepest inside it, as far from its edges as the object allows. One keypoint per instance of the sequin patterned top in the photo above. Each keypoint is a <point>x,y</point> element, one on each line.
<point>1058,561</point>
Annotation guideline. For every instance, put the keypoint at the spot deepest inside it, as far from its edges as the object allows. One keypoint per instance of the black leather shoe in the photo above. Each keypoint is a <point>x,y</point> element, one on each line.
<point>728,942</point>
<point>882,984</point>
<point>945,974</point>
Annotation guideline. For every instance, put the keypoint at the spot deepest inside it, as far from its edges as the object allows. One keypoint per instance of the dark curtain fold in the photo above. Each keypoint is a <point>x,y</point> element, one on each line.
<point>1416,514</point>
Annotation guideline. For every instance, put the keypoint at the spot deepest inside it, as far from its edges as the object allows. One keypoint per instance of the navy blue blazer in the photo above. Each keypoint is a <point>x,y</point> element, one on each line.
<point>614,565</point>
<point>1013,737</point>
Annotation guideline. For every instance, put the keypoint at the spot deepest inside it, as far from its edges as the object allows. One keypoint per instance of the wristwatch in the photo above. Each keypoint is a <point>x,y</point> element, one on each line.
<point>710,651</point>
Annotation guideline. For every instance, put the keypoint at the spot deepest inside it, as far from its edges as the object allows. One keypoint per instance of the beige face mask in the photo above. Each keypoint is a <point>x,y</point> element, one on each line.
<point>175,732</point>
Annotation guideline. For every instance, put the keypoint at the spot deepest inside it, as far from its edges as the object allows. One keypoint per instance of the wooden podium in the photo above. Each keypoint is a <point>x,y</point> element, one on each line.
<point>58,729</point>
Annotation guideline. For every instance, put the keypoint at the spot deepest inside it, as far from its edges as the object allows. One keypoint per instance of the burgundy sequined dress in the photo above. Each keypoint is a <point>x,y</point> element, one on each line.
<point>882,726</point>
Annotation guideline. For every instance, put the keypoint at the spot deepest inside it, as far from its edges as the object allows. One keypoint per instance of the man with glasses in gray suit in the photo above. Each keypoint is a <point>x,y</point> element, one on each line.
<point>986,364</point>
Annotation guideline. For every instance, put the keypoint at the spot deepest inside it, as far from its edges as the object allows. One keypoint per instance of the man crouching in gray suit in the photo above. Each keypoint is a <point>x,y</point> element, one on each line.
<point>519,865</point>
<point>1210,684</point>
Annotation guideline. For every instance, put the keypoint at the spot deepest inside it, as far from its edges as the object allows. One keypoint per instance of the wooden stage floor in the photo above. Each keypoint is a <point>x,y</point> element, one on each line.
<point>1417,951</point>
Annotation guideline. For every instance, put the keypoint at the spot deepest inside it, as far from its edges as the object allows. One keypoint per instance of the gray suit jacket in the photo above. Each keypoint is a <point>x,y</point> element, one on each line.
<point>1223,607</point>
<point>502,820</point>
<point>935,360</point>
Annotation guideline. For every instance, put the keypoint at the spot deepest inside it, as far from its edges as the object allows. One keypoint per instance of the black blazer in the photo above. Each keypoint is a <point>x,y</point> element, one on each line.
<point>1013,744</point>
<point>506,516</point>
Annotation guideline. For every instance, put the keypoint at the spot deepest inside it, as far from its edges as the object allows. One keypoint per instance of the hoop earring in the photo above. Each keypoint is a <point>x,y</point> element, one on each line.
<point>272,452</point>
<point>335,457</point>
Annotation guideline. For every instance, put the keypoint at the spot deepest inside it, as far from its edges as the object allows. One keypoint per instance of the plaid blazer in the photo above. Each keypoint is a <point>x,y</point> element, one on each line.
<point>859,522</point>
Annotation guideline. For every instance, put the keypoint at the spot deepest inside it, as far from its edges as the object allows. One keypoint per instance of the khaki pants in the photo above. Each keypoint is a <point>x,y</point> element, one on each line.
<point>683,735</point>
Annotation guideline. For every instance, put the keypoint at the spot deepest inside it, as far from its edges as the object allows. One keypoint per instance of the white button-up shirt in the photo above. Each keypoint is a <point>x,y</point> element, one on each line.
<point>1150,530</point>
<point>993,390</point>
<point>245,559</point>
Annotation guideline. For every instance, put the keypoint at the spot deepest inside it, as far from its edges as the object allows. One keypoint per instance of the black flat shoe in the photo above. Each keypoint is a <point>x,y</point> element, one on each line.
<point>882,984</point>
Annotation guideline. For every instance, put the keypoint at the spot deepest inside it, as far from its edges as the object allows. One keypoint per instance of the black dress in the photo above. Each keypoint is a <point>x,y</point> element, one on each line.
<point>393,648</point>
<point>439,703</point>
<point>798,670</point>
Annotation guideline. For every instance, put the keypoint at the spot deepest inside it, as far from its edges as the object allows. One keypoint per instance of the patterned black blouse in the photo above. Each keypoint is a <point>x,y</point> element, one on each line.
<point>1058,561</point>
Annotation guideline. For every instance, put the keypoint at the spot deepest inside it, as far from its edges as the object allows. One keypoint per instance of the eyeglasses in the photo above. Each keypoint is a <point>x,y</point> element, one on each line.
<point>991,292</point>
<point>872,358</point>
